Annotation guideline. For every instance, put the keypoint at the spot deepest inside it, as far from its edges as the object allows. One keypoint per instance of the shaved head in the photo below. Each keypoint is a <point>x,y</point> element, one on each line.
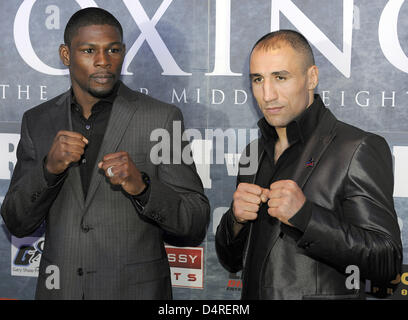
<point>280,38</point>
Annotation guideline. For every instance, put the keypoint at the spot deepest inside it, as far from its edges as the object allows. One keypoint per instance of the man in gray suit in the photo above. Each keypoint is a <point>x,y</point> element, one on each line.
<point>83,167</point>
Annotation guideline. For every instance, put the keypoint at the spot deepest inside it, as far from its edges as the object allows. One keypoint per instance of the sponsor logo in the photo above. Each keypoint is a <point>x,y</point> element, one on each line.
<point>234,282</point>
<point>26,256</point>
<point>397,289</point>
<point>186,267</point>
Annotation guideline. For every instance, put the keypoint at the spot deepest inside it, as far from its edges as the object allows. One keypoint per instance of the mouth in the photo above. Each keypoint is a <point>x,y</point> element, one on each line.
<point>102,78</point>
<point>273,110</point>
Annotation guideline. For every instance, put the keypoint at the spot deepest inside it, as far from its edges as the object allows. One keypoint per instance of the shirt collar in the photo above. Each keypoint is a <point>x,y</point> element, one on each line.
<point>99,105</point>
<point>301,128</point>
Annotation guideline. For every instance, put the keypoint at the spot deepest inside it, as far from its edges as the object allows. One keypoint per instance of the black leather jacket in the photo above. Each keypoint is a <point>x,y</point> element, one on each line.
<point>353,220</point>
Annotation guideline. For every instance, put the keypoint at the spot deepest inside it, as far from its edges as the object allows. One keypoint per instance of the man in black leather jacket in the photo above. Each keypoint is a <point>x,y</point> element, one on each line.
<point>321,198</point>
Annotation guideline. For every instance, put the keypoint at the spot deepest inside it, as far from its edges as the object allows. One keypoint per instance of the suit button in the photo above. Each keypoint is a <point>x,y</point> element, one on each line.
<point>80,272</point>
<point>35,196</point>
<point>306,245</point>
<point>85,229</point>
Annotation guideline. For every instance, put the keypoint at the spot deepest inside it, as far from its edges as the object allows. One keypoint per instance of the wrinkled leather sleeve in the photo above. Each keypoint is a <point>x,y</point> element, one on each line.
<point>230,249</point>
<point>365,232</point>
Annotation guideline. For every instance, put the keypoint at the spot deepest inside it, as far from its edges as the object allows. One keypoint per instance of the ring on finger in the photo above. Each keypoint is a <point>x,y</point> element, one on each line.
<point>110,172</point>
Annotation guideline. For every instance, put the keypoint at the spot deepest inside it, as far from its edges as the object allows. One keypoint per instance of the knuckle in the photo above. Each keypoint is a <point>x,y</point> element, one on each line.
<point>238,204</point>
<point>237,195</point>
<point>236,212</point>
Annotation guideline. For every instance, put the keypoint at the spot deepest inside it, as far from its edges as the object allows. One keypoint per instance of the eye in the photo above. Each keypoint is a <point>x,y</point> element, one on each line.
<point>114,50</point>
<point>88,50</point>
<point>280,78</point>
<point>257,79</point>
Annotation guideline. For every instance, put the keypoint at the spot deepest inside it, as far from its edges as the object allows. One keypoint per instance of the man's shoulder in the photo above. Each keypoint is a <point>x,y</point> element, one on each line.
<point>347,133</point>
<point>149,103</point>
<point>47,105</point>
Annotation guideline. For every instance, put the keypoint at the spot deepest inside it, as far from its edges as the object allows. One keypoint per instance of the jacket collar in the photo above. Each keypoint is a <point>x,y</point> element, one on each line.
<point>318,125</point>
<point>301,128</point>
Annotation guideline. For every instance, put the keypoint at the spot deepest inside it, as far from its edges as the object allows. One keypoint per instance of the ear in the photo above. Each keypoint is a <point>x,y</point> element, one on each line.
<point>313,77</point>
<point>64,54</point>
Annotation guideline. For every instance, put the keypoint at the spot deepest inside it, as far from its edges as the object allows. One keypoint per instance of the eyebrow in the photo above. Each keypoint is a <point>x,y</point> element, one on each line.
<point>281,73</point>
<point>274,73</point>
<point>94,44</point>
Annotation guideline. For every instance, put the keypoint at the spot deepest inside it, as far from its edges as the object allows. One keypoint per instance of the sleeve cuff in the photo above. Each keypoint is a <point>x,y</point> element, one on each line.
<point>299,221</point>
<point>140,200</point>
<point>231,221</point>
<point>50,178</point>
<point>143,197</point>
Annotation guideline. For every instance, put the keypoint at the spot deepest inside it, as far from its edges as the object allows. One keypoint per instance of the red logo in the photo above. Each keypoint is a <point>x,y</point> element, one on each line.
<point>184,258</point>
<point>186,266</point>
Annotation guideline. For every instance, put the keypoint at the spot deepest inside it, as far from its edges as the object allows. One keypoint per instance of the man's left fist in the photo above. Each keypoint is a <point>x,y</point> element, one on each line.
<point>285,200</point>
<point>121,170</point>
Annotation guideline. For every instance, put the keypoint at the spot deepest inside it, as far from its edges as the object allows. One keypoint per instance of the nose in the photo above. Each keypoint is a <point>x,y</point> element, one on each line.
<point>269,91</point>
<point>102,59</point>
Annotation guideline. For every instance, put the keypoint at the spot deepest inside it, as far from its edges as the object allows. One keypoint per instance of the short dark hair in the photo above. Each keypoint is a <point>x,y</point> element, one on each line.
<point>87,17</point>
<point>293,38</point>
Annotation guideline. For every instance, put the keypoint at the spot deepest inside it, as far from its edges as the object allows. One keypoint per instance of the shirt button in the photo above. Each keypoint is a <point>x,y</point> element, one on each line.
<point>87,127</point>
<point>80,272</point>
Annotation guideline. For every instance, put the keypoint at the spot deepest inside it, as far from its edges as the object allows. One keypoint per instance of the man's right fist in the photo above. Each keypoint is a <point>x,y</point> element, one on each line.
<point>68,146</point>
<point>247,200</point>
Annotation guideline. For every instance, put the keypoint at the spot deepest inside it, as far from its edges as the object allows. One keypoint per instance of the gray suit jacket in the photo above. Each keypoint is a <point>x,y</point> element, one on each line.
<point>103,246</point>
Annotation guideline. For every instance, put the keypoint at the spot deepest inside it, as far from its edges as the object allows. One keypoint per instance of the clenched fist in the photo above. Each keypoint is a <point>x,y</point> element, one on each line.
<point>68,147</point>
<point>285,200</point>
<point>120,170</point>
<point>247,200</point>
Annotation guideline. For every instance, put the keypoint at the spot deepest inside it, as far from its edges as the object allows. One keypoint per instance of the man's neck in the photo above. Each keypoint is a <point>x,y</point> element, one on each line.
<point>86,104</point>
<point>282,143</point>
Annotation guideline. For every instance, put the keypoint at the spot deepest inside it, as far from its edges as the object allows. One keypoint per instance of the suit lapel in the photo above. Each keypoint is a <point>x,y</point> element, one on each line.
<point>60,115</point>
<point>60,119</point>
<point>123,109</point>
<point>315,148</point>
